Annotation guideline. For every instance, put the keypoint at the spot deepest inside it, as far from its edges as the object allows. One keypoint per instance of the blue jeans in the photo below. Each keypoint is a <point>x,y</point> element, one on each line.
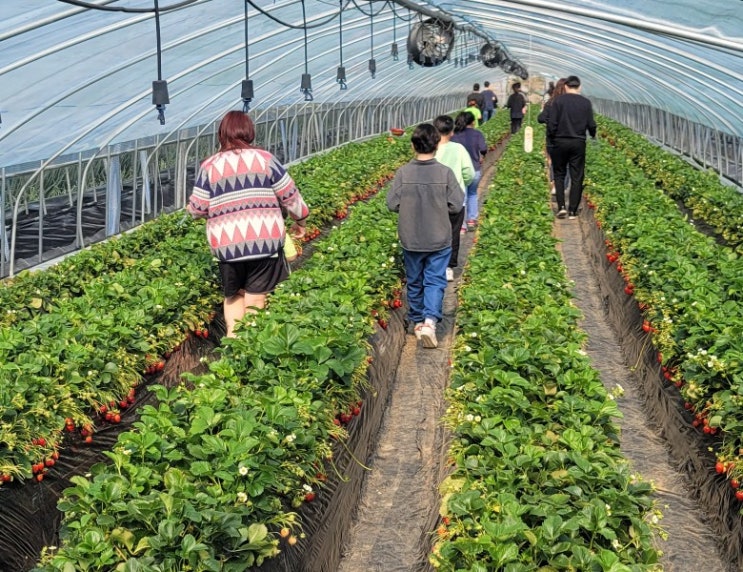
<point>426,275</point>
<point>472,206</point>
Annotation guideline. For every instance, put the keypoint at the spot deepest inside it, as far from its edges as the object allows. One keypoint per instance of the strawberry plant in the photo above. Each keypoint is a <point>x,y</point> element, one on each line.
<point>690,289</point>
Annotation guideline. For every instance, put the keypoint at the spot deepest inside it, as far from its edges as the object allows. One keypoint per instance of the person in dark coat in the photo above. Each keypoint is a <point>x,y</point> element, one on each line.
<point>570,118</point>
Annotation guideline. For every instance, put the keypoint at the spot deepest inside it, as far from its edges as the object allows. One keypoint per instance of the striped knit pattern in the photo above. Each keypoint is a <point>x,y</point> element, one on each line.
<point>241,194</point>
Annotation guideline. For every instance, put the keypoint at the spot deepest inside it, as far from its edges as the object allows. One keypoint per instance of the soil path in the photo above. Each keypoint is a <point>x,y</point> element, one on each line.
<point>400,499</point>
<point>690,544</point>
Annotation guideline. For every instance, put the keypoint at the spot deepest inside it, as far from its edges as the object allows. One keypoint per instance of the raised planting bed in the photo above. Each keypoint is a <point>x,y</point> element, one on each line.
<point>538,481</point>
<point>675,299</point>
<point>710,203</point>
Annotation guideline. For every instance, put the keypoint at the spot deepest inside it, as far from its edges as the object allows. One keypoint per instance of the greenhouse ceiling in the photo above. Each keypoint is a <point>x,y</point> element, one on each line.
<point>78,75</point>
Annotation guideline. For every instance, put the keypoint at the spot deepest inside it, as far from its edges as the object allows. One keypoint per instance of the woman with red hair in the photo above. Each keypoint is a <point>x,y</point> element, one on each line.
<point>241,191</point>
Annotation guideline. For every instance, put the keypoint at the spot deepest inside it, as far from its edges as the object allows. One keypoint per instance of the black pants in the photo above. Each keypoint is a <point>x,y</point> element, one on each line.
<point>569,155</point>
<point>456,221</point>
<point>516,124</point>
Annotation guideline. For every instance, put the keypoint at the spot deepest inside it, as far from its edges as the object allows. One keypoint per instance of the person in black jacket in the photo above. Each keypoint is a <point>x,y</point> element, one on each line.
<point>477,96</point>
<point>517,104</point>
<point>570,117</point>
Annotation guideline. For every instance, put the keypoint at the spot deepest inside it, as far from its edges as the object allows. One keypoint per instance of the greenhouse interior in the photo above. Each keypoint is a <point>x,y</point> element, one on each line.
<point>573,399</point>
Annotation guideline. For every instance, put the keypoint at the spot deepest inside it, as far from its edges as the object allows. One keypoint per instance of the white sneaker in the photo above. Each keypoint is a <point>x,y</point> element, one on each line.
<point>428,335</point>
<point>449,274</point>
<point>562,213</point>
<point>417,330</point>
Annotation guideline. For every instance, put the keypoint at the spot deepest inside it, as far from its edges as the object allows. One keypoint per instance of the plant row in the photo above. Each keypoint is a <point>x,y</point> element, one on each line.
<point>690,290</point>
<point>720,206</point>
<point>209,478</point>
<point>72,356</point>
<point>538,480</point>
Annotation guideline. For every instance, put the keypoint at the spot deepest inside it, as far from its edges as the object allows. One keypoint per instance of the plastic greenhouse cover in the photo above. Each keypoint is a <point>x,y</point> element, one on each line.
<point>74,79</point>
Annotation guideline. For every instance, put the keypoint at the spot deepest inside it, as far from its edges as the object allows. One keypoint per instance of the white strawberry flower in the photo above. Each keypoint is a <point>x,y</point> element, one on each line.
<point>242,497</point>
<point>243,470</point>
<point>307,488</point>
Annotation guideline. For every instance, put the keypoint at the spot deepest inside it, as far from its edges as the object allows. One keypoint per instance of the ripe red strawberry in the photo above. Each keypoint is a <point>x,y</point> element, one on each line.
<point>739,495</point>
<point>719,467</point>
<point>309,497</point>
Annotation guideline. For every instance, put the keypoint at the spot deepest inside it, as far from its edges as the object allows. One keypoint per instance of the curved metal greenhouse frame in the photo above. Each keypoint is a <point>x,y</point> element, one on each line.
<point>79,130</point>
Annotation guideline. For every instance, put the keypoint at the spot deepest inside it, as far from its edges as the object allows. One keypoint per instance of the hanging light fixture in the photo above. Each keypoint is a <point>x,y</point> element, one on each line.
<point>160,96</point>
<point>410,27</point>
<point>306,84</point>
<point>246,93</point>
<point>394,52</point>
<point>372,61</point>
<point>340,76</point>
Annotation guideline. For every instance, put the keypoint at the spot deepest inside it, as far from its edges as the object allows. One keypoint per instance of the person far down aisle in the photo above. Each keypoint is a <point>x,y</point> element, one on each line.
<point>456,157</point>
<point>425,193</point>
<point>570,116</point>
<point>490,102</point>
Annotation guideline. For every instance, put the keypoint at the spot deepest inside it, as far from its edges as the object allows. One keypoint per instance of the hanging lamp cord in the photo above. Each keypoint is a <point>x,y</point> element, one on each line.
<point>306,89</point>
<point>160,106</point>
<point>341,79</point>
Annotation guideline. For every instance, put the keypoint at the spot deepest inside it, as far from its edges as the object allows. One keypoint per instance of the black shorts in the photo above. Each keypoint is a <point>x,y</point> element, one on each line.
<point>259,276</point>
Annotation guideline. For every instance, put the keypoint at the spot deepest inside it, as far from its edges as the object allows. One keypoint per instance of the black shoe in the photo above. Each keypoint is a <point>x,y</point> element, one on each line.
<point>572,215</point>
<point>562,213</point>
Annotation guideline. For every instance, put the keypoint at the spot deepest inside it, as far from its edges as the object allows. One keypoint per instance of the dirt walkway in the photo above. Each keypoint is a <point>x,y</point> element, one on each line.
<point>690,545</point>
<point>400,499</point>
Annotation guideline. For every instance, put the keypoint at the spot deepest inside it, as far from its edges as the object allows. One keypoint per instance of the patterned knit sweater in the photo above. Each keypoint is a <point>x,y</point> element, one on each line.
<point>241,194</point>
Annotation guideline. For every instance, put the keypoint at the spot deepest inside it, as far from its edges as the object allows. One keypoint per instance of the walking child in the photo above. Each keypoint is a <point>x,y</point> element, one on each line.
<point>424,193</point>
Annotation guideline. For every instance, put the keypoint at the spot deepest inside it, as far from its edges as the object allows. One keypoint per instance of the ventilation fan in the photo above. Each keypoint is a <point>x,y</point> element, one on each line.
<point>430,42</point>
<point>508,65</point>
<point>491,55</point>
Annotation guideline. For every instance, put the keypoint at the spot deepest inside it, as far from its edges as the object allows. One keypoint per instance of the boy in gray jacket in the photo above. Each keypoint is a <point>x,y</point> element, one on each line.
<point>424,192</point>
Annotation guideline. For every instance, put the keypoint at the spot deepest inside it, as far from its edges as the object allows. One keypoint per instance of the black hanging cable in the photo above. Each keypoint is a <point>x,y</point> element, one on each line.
<point>394,52</point>
<point>371,12</point>
<point>306,85</point>
<point>294,26</point>
<point>410,16</point>
<point>247,85</point>
<point>160,86</point>
<point>410,28</point>
<point>340,75</point>
<point>89,6</point>
<point>372,61</point>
